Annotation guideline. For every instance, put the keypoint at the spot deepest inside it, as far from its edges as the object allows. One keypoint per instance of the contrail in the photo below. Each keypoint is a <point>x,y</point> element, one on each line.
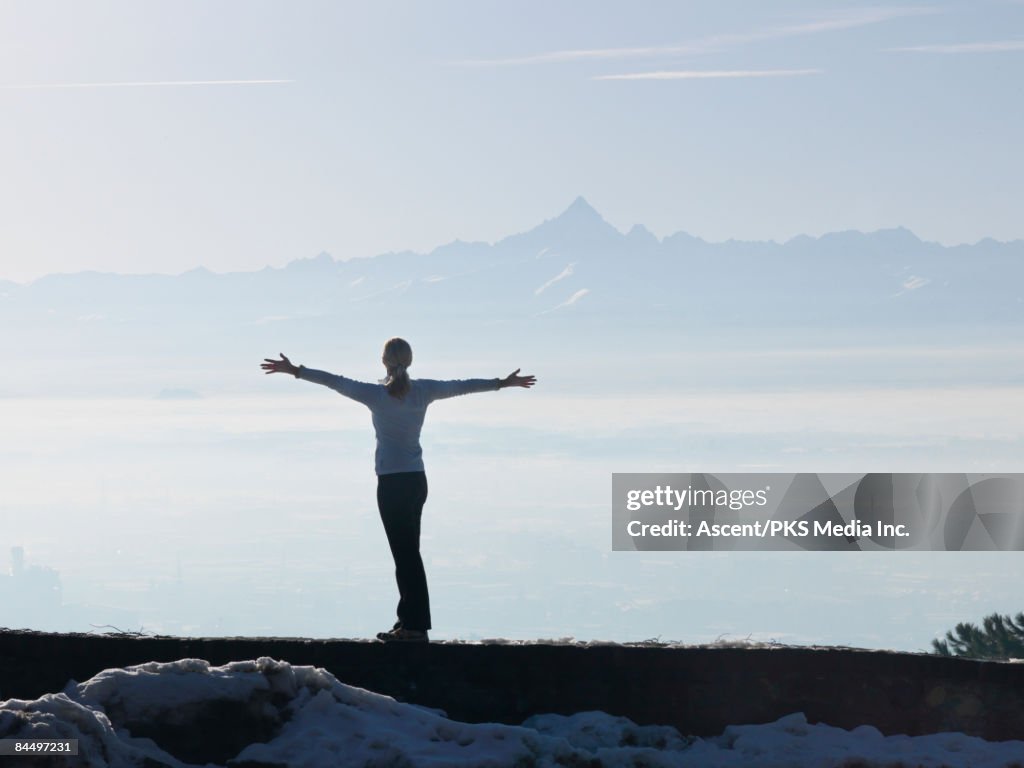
<point>713,43</point>
<point>139,84</point>
<point>702,74</point>
<point>995,46</point>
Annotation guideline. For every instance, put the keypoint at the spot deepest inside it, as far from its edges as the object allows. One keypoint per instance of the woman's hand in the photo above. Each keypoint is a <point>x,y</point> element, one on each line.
<point>284,365</point>
<point>515,380</point>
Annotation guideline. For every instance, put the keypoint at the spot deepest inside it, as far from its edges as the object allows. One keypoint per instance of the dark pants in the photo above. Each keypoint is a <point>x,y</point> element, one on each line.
<point>400,498</point>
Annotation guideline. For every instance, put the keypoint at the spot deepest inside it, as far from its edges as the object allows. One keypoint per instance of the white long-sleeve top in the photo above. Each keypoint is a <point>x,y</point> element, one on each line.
<point>398,421</point>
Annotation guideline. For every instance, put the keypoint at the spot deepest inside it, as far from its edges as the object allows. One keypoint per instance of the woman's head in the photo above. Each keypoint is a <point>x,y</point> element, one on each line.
<point>397,358</point>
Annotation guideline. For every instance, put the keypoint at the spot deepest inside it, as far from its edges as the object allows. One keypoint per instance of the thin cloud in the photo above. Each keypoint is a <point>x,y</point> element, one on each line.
<point>713,43</point>
<point>701,74</point>
<point>850,20</point>
<point>555,57</point>
<point>136,84</point>
<point>994,46</point>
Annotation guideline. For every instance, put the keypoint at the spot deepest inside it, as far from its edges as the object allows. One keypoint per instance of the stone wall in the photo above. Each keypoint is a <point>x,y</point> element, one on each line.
<point>699,690</point>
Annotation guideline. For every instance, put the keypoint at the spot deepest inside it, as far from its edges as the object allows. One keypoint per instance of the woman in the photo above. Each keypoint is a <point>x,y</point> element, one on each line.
<point>398,405</point>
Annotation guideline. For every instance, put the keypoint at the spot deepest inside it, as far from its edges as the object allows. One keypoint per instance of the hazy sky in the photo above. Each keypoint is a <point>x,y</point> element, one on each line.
<point>159,136</point>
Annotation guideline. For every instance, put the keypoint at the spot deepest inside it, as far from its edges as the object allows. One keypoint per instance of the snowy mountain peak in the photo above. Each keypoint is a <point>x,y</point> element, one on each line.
<point>580,208</point>
<point>579,220</point>
<point>900,235</point>
<point>641,235</point>
<point>322,260</point>
<point>581,216</point>
<point>577,226</point>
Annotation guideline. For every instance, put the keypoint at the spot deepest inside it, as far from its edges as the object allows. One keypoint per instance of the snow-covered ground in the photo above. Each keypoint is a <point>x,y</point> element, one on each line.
<point>122,717</point>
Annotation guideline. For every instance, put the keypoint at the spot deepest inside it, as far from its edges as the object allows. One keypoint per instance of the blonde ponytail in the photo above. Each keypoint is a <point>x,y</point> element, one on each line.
<point>397,358</point>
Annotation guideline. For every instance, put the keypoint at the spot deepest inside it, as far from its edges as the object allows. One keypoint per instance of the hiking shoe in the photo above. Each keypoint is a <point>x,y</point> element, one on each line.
<point>401,635</point>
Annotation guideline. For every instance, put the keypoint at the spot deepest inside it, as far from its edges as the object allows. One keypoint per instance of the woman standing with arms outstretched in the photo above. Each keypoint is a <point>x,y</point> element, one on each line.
<point>398,405</point>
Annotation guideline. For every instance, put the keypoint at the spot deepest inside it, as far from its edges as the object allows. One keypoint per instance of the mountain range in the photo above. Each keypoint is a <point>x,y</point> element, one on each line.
<point>572,279</point>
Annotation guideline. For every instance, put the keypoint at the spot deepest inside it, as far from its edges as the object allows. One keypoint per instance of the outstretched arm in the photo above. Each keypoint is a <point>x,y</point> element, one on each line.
<point>439,390</point>
<point>357,390</point>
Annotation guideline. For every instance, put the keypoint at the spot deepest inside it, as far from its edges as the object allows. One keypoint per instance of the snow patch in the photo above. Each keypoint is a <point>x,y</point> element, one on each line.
<point>573,299</point>
<point>303,717</point>
<point>914,282</point>
<point>567,303</point>
<point>560,276</point>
